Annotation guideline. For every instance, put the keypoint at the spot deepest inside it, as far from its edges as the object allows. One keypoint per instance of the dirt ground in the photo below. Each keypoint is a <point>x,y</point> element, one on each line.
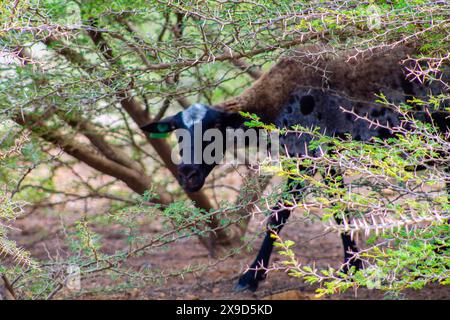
<point>42,234</point>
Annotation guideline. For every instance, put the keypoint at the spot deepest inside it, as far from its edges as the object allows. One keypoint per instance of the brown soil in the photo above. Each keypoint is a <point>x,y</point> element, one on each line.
<point>43,233</point>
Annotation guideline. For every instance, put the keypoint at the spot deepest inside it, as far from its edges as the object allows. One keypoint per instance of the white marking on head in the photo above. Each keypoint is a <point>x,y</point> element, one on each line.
<point>194,114</point>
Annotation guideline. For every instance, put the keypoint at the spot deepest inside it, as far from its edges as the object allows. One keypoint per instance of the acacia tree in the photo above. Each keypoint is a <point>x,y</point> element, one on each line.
<point>83,76</point>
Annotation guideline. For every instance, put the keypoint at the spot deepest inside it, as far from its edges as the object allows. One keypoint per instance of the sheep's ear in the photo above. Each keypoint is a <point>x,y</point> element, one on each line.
<point>161,129</point>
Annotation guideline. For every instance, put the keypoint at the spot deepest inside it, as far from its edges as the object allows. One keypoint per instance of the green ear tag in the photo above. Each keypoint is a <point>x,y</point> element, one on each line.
<point>163,129</point>
<point>159,135</point>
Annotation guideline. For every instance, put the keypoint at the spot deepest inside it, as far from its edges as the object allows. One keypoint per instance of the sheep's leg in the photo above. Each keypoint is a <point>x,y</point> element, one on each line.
<point>348,243</point>
<point>256,272</point>
<point>350,249</point>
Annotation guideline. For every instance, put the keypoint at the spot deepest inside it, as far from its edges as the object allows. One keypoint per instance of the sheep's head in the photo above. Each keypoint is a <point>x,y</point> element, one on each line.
<point>191,126</point>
